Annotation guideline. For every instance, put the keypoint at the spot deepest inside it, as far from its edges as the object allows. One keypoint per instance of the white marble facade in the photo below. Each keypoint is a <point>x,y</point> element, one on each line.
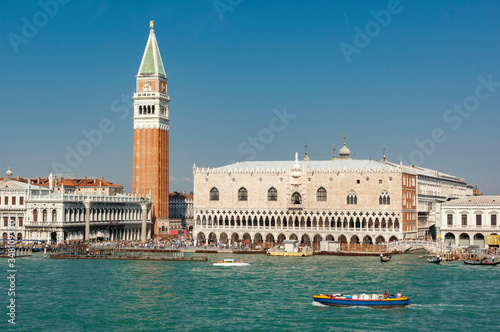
<point>467,221</point>
<point>40,214</point>
<point>345,200</point>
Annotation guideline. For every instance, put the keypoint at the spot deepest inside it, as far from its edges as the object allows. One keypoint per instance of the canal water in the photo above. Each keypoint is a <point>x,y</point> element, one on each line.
<point>274,293</point>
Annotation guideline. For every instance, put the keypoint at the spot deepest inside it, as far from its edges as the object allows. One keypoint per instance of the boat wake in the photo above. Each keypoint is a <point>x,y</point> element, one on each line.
<point>317,304</point>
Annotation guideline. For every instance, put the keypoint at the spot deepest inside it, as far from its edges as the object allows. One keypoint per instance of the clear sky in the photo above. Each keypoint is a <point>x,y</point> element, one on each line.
<point>253,80</point>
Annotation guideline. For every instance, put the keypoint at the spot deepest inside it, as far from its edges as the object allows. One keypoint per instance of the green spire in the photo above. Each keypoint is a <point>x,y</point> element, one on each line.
<point>151,60</point>
<point>161,70</point>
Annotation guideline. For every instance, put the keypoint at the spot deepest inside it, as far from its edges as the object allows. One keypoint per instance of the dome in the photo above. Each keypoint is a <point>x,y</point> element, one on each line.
<point>344,152</point>
<point>8,174</point>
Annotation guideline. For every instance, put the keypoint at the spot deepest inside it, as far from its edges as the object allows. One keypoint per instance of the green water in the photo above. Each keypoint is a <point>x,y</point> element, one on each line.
<point>274,293</point>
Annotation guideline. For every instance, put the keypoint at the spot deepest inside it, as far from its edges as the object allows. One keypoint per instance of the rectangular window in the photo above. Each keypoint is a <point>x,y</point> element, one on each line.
<point>5,221</point>
<point>380,181</point>
<point>464,220</point>
<point>6,200</point>
<point>21,200</point>
<point>478,220</point>
<point>450,220</point>
<point>13,201</point>
<point>358,181</point>
<point>21,221</point>
<point>494,220</point>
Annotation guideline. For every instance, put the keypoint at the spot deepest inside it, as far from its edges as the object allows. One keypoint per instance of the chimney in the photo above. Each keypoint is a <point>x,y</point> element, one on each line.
<point>85,177</point>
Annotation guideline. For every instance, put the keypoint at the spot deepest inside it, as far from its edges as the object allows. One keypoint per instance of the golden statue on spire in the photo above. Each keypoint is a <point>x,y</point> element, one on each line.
<point>151,24</point>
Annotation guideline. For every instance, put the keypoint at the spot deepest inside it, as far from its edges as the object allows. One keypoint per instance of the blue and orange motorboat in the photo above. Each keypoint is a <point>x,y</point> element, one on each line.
<point>380,301</point>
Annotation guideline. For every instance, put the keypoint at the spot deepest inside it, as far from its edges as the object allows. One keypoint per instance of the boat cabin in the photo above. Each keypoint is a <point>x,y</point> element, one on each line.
<point>290,245</point>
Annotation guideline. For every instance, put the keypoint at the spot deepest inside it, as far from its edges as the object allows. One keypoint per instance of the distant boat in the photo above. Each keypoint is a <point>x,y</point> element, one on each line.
<point>481,263</point>
<point>364,300</point>
<point>436,260</point>
<point>230,262</point>
<point>385,259</point>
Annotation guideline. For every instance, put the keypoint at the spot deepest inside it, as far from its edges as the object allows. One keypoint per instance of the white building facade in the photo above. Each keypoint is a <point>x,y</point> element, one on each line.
<point>12,206</point>
<point>42,215</point>
<point>467,221</point>
<point>344,200</point>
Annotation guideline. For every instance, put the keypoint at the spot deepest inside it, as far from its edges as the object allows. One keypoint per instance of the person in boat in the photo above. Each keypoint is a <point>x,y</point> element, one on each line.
<point>398,295</point>
<point>386,295</point>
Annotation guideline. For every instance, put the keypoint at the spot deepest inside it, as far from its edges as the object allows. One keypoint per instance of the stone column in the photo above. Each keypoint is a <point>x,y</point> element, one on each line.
<point>144,222</point>
<point>87,220</point>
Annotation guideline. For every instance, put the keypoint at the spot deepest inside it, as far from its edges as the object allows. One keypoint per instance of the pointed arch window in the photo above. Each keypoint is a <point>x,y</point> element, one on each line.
<point>44,215</point>
<point>296,198</point>
<point>352,198</point>
<point>272,194</point>
<point>384,198</point>
<point>242,194</point>
<point>321,195</point>
<point>214,194</point>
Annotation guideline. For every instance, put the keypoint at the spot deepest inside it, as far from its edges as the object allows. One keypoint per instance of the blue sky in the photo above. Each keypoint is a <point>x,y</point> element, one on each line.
<point>234,65</point>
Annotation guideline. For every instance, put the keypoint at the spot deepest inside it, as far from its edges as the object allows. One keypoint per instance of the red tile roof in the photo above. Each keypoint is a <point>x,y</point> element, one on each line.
<point>69,182</point>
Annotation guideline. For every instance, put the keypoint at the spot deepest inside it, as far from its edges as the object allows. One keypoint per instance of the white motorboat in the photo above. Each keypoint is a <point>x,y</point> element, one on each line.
<point>230,262</point>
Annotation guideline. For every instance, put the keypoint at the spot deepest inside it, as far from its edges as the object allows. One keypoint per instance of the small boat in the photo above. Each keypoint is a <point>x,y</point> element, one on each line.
<point>230,262</point>
<point>385,259</point>
<point>378,301</point>
<point>436,260</point>
<point>481,263</point>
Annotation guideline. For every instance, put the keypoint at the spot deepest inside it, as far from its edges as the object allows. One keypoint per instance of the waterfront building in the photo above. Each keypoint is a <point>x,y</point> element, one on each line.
<point>12,205</point>
<point>181,211</point>
<point>344,200</point>
<point>42,214</point>
<point>468,221</point>
<point>434,187</point>
<point>180,219</point>
<point>151,132</point>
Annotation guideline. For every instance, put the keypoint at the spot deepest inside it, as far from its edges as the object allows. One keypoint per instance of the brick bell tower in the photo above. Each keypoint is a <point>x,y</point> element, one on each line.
<point>151,120</point>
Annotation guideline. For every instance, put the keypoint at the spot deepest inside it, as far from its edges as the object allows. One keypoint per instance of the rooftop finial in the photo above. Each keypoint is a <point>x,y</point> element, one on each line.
<point>345,138</point>
<point>334,150</point>
<point>306,158</point>
<point>383,155</point>
<point>151,24</point>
